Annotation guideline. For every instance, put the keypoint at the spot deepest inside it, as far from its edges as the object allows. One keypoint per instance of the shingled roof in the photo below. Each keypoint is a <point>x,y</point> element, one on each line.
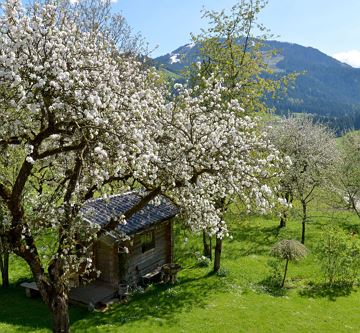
<point>100,210</point>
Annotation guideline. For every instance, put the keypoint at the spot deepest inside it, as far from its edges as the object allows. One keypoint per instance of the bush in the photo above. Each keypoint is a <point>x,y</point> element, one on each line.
<point>339,255</point>
<point>222,272</point>
<point>275,278</point>
<point>202,261</point>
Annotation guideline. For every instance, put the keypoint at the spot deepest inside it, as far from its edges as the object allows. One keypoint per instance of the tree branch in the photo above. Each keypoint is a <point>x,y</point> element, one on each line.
<point>75,175</point>
<point>59,150</point>
<point>11,141</point>
<point>94,188</point>
<point>113,223</point>
<point>4,193</point>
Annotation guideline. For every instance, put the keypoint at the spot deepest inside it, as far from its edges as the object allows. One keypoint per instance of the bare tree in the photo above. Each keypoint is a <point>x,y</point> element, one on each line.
<point>98,15</point>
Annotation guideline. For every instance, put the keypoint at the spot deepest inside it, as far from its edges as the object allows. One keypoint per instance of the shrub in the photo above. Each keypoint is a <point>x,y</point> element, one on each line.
<point>275,278</point>
<point>202,261</point>
<point>222,272</point>
<point>339,255</point>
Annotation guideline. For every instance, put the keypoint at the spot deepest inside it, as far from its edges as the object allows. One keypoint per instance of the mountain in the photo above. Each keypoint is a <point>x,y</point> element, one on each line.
<point>325,88</point>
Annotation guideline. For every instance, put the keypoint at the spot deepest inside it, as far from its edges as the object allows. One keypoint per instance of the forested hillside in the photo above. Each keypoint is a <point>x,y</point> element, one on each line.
<point>326,88</point>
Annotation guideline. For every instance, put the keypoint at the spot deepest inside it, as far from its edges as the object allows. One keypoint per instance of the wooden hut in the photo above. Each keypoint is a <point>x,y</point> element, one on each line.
<point>150,243</point>
<point>124,263</point>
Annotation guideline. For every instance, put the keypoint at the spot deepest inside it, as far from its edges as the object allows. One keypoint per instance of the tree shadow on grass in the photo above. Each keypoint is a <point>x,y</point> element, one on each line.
<point>16,309</point>
<point>271,287</point>
<point>252,241</point>
<point>352,228</point>
<point>325,290</point>
<point>27,314</point>
<point>160,302</point>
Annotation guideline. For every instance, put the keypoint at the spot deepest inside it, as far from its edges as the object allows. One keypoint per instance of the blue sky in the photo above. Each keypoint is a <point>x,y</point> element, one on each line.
<point>332,26</point>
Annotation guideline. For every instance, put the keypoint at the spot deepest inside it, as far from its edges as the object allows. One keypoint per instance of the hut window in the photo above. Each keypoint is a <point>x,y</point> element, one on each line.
<point>147,241</point>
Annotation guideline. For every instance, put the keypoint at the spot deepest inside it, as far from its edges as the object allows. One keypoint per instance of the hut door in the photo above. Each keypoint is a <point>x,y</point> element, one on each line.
<point>105,262</point>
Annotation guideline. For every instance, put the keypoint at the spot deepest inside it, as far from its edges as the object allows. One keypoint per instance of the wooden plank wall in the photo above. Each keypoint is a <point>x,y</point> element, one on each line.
<point>140,263</point>
<point>135,264</point>
<point>106,260</point>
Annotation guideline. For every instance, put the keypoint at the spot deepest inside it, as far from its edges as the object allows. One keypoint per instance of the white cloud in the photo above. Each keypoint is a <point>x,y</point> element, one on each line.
<point>351,57</point>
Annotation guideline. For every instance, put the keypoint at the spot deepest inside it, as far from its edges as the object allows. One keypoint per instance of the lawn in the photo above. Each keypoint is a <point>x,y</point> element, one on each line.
<point>237,301</point>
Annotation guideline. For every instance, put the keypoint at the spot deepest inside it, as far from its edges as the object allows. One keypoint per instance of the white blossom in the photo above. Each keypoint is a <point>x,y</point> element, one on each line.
<point>30,160</point>
<point>88,114</point>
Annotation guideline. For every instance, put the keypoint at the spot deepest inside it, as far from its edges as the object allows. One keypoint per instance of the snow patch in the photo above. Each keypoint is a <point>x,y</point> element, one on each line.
<point>190,46</point>
<point>174,58</point>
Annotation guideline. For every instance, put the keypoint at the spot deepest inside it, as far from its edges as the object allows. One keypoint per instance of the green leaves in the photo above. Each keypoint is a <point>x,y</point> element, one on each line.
<point>339,255</point>
<point>231,50</point>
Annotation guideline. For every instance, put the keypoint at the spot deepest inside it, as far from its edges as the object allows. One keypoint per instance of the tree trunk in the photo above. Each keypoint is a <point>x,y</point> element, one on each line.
<point>60,313</point>
<point>4,264</point>
<point>354,204</point>
<point>217,258</point>
<point>207,246</point>
<point>285,214</point>
<point>304,218</point>
<point>303,232</point>
<point>286,267</point>
<point>55,296</point>
<point>4,267</point>
<point>210,245</point>
<point>221,205</point>
<point>282,220</point>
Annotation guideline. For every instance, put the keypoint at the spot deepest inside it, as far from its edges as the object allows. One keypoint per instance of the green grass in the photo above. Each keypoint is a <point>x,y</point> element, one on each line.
<point>203,302</point>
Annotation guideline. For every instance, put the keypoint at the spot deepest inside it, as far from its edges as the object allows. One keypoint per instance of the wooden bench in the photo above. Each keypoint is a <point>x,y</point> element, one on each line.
<point>149,277</point>
<point>31,289</point>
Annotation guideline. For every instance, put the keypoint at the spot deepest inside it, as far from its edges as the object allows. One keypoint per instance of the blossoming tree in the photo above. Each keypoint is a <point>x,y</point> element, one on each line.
<point>232,48</point>
<point>314,156</point>
<point>77,116</point>
<point>349,172</point>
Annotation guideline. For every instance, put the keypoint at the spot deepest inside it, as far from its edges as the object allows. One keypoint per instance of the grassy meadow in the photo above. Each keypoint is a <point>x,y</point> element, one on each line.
<point>237,300</point>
